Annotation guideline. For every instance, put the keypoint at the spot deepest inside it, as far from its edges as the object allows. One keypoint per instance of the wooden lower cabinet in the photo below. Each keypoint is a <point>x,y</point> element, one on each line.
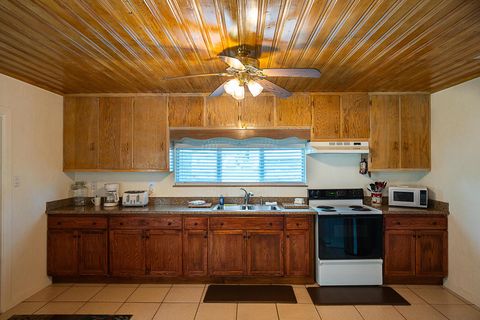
<point>297,247</point>
<point>62,252</point>
<point>226,252</point>
<point>195,253</point>
<point>416,249</point>
<point>127,252</point>
<point>77,247</point>
<point>265,253</point>
<point>206,248</point>
<point>164,252</point>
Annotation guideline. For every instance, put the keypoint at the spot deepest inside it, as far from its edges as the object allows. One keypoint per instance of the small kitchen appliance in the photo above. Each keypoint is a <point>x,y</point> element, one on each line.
<point>348,238</point>
<point>111,194</point>
<point>134,198</point>
<point>406,196</point>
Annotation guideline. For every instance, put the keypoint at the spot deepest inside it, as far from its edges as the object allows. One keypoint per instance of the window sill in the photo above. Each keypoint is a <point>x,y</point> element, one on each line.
<point>303,185</point>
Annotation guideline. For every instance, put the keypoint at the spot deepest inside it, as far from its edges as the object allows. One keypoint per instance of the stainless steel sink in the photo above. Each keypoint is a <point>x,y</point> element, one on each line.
<point>250,207</point>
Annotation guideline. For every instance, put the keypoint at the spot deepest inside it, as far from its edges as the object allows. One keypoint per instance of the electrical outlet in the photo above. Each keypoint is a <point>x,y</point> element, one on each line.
<point>93,188</point>
<point>151,188</point>
<point>16,181</point>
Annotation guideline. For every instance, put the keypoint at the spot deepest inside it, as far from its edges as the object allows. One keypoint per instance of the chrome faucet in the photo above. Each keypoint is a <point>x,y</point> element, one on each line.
<point>246,197</point>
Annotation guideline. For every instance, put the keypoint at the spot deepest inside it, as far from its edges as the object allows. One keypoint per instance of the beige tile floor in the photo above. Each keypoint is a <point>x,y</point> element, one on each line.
<point>184,302</point>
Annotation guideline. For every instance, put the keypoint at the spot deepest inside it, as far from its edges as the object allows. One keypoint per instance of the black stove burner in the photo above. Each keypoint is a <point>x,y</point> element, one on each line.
<point>361,209</point>
<point>329,210</point>
<point>325,207</point>
<point>356,207</point>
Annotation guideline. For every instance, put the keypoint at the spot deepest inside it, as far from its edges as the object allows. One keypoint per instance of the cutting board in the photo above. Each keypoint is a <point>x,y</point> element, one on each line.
<point>205,205</point>
<point>295,206</point>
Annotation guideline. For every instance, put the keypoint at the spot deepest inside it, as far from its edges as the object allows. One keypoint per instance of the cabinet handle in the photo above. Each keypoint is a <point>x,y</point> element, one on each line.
<point>288,236</point>
<point>398,222</point>
<point>195,224</point>
<point>169,223</point>
<point>270,224</point>
<point>298,224</point>
<point>206,235</point>
<point>418,237</point>
<point>92,146</point>
<point>221,223</point>
<point>434,223</point>
<point>59,223</point>
<point>94,223</point>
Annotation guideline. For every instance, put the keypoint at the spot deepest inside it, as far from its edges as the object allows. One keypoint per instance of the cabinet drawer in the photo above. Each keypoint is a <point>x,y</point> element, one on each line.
<point>415,222</point>
<point>170,222</point>
<point>251,223</point>
<point>196,223</point>
<point>77,223</point>
<point>298,223</point>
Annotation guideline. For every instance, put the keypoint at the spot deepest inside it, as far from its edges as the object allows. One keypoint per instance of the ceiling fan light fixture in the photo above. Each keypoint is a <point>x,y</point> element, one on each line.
<point>231,86</point>
<point>239,93</point>
<point>254,87</point>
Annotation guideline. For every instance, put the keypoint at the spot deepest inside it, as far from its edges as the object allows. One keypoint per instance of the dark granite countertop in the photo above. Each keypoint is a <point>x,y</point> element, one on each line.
<point>168,209</point>
<point>402,210</point>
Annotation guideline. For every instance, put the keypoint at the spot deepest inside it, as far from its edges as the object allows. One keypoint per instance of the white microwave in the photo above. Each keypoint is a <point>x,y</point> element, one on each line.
<point>408,197</point>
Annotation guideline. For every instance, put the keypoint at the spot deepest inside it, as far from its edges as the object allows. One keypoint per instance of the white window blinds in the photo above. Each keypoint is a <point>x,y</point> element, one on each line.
<point>250,161</point>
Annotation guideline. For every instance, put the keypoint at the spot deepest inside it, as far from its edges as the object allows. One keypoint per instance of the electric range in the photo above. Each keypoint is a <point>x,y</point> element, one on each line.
<point>348,238</point>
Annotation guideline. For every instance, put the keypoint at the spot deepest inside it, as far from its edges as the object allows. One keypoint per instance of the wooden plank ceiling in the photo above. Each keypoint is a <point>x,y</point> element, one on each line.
<point>87,46</point>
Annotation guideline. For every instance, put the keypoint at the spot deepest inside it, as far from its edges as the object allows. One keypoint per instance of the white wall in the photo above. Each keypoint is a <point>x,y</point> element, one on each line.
<point>455,178</point>
<point>36,159</point>
<point>323,171</point>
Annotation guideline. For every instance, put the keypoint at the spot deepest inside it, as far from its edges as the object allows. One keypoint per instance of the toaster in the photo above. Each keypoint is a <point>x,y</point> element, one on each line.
<point>135,198</point>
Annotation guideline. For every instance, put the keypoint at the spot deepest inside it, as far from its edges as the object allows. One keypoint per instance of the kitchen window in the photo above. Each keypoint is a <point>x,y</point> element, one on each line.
<point>240,162</point>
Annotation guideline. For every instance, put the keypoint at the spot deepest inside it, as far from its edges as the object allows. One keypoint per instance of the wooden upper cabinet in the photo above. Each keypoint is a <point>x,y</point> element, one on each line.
<point>115,133</point>
<point>400,132</point>
<point>150,134</point>
<point>222,112</point>
<point>257,112</point>
<point>80,133</point>
<point>295,111</point>
<point>355,116</point>
<point>384,132</point>
<point>415,131</point>
<point>186,111</point>
<point>326,117</point>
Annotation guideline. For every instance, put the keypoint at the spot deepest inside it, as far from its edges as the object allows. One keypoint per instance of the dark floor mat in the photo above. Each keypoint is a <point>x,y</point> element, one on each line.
<point>70,317</point>
<point>250,293</point>
<point>360,295</point>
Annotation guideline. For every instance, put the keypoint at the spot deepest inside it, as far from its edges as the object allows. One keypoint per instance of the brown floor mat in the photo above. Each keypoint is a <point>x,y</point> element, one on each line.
<point>360,295</point>
<point>250,293</point>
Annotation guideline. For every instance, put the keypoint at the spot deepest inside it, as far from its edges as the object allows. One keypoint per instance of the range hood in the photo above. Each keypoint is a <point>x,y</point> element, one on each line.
<point>338,147</point>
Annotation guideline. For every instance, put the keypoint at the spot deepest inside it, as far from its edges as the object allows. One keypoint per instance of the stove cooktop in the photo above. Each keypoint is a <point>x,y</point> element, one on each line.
<point>345,209</point>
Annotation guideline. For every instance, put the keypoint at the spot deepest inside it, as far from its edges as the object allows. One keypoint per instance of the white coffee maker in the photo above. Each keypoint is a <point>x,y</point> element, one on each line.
<point>111,191</point>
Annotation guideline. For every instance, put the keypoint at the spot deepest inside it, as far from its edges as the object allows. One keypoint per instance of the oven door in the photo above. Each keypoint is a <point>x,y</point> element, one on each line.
<point>344,237</point>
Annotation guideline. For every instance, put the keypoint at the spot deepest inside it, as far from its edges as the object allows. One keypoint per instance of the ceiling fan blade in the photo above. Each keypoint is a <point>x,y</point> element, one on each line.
<point>233,62</point>
<point>219,91</point>
<point>273,88</point>
<point>199,75</point>
<point>294,72</point>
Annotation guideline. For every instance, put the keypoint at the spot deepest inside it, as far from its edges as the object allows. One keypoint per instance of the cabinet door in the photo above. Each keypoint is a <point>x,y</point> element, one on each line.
<point>150,133</point>
<point>195,247</point>
<point>92,245</point>
<point>432,253</point>
<point>226,252</point>
<point>325,117</point>
<point>294,111</point>
<point>399,253</point>
<point>355,117</point>
<point>415,131</point>
<point>265,253</point>
<point>80,133</point>
<point>62,253</point>
<point>164,252</point>
<point>384,132</point>
<point>186,112</point>
<point>257,112</point>
<point>222,112</point>
<point>127,253</point>
<point>115,133</point>
<point>297,252</point>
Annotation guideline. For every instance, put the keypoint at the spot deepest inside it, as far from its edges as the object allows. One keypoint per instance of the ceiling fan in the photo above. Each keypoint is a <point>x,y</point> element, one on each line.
<point>245,71</point>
